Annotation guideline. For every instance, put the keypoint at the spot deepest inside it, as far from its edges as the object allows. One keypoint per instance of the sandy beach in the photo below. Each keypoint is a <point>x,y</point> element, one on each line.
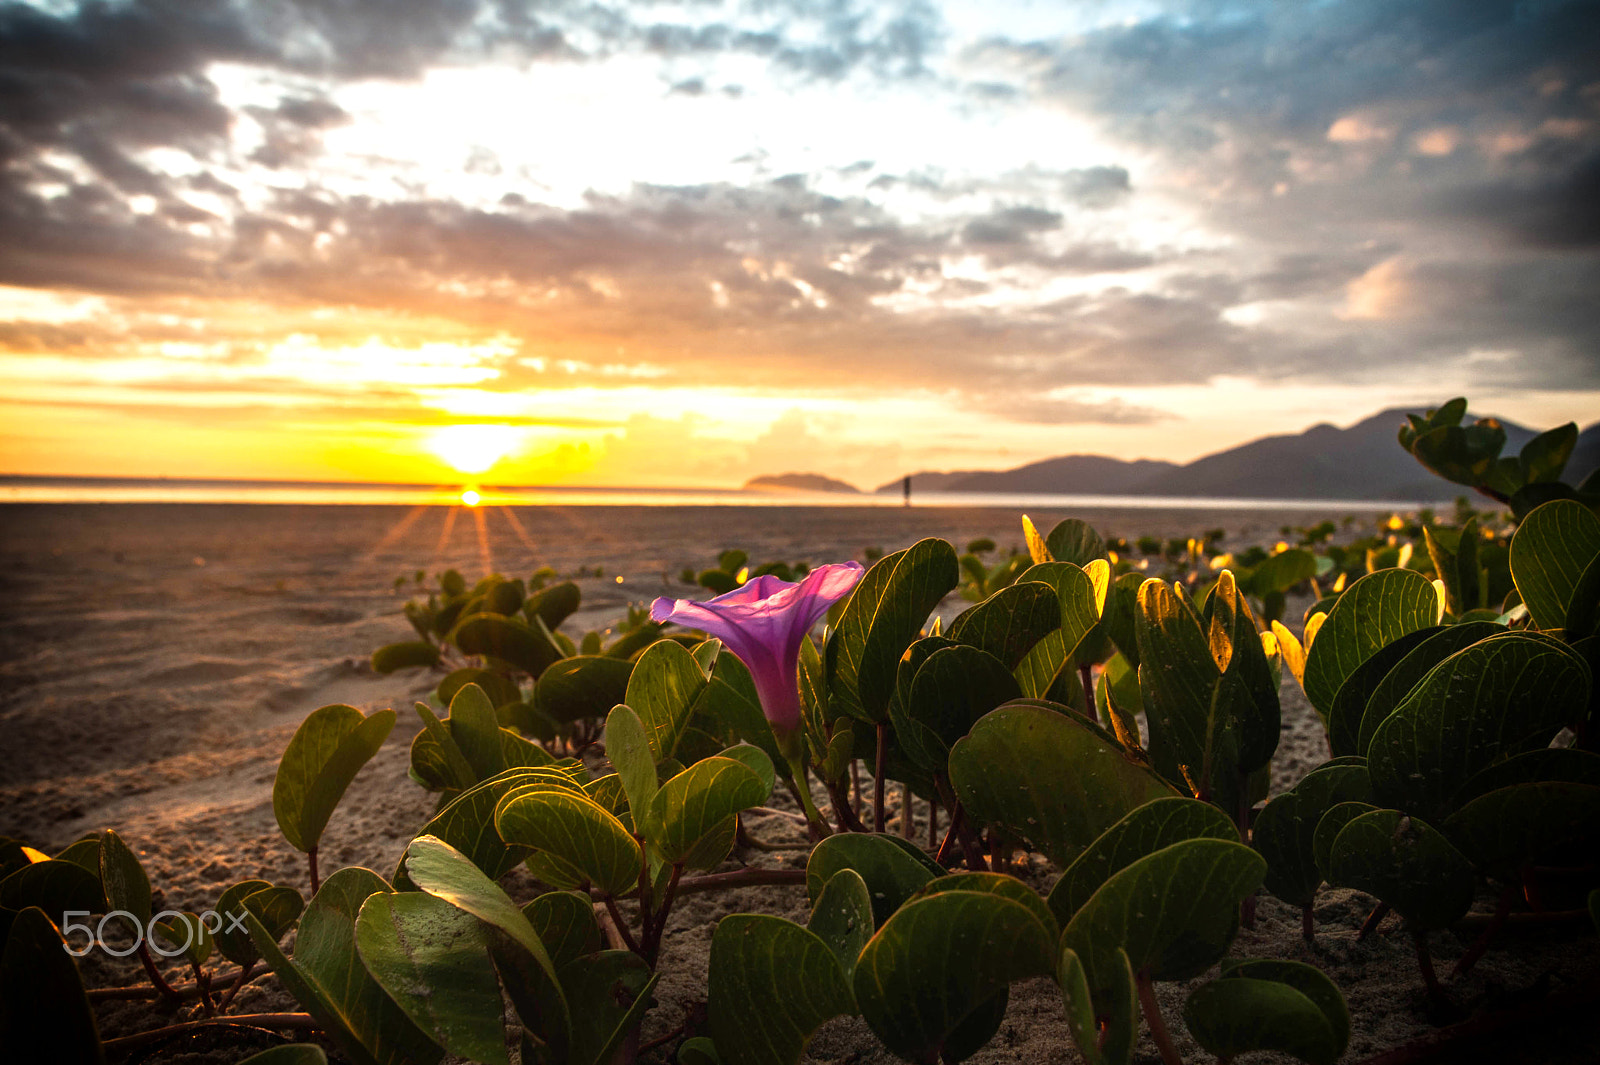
<point>155,660</point>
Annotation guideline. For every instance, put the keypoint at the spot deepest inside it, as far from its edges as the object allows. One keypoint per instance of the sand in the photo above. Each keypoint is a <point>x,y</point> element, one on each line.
<point>155,660</point>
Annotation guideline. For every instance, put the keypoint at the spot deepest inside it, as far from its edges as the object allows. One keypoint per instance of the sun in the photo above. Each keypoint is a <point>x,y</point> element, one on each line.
<point>470,498</point>
<point>473,448</point>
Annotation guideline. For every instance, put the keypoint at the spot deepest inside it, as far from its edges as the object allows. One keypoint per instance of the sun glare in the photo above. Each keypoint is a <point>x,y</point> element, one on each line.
<point>470,498</point>
<point>473,448</point>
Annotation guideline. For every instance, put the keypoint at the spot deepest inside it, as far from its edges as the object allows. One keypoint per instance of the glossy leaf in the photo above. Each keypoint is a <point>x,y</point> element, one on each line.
<point>1461,453</point>
<point>324,756</point>
<point>1552,547</point>
<point>1174,912</point>
<point>528,647</point>
<point>1349,705</point>
<point>1404,861</point>
<point>697,800</point>
<point>883,615</point>
<point>1079,604</point>
<point>771,985</point>
<point>1506,694</point>
<point>1242,1014</point>
<point>404,655</point>
<point>576,830</point>
<point>327,977</point>
<point>1544,457</point>
<point>614,986</point>
<point>554,604</point>
<point>277,909</point>
<point>952,689</point>
<point>893,869</point>
<point>467,824</point>
<point>940,958</point>
<point>842,918</point>
<point>1328,828</point>
<point>628,747</point>
<point>1116,1013</point>
<point>1284,832</point>
<point>1509,828</point>
<point>1397,683</point>
<point>441,870</point>
<point>123,878</point>
<point>665,683</point>
<point>1058,813</point>
<point>43,1007</point>
<point>1117,616</point>
<point>1076,542</point>
<point>55,886</point>
<point>731,700</point>
<point>565,923</point>
<point>1001,884</point>
<point>1372,613</point>
<point>1010,622</point>
<point>496,686</point>
<point>1144,830</point>
<point>585,686</point>
<point>433,961</point>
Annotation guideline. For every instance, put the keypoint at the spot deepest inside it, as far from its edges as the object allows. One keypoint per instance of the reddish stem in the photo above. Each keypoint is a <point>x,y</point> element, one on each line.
<point>281,1021</point>
<point>877,777</point>
<point>1152,1018</point>
<point>311,859</point>
<point>1502,910</point>
<point>1375,918</point>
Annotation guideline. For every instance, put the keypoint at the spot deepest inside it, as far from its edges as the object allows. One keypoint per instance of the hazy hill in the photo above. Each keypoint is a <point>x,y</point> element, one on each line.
<point>797,482</point>
<point>1324,462</point>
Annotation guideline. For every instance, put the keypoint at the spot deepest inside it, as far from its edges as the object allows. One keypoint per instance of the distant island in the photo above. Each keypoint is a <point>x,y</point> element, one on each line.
<point>798,482</point>
<point>1323,462</point>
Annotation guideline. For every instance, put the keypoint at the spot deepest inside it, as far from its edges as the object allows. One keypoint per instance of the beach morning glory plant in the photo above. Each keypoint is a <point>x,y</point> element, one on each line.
<point>763,623</point>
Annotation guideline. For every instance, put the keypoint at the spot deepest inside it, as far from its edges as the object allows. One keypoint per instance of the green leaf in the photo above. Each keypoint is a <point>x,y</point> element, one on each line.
<point>883,615</point>
<point>614,986</point>
<point>842,918</point>
<point>1079,604</point>
<point>1038,550</point>
<point>528,647</point>
<point>1509,828</point>
<point>1544,457</point>
<point>1282,571</point>
<point>1461,453</point>
<point>893,869</point>
<point>1255,711</point>
<point>126,885</point>
<point>1329,827</point>
<point>554,604</point>
<point>953,688</point>
<point>628,747</point>
<point>441,870</point>
<point>277,910</point>
<point>1144,830</point>
<point>1285,830</point>
<point>731,700</point>
<point>1117,617</point>
<point>327,978</point>
<point>1404,861</point>
<point>42,1001</point>
<point>585,686</point>
<point>1349,706</point>
<point>467,824</point>
<point>85,852</point>
<point>1506,694</point>
<point>1117,1010</point>
<point>1238,1015</point>
<point>433,961</point>
<point>1010,622</point>
<point>1583,608</point>
<point>1117,699</point>
<point>475,728</point>
<point>1454,554</point>
<point>1174,912</point>
<point>694,802</point>
<point>576,830</point>
<point>324,756</point>
<point>1001,884</point>
<point>770,987</point>
<point>55,886</point>
<point>404,655</point>
<point>565,923</point>
<point>497,686</point>
<point>439,758</point>
<point>1552,547</point>
<point>1398,682</point>
<point>698,1051</point>
<point>1372,613</point>
<point>188,933</point>
<point>1076,542</point>
<point>1058,813</point>
<point>1566,764</point>
<point>665,683</point>
<point>1309,980</point>
<point>940,958</point>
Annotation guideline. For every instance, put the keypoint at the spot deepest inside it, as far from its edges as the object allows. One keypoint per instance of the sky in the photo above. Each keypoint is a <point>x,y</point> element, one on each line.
<point>686,243</point>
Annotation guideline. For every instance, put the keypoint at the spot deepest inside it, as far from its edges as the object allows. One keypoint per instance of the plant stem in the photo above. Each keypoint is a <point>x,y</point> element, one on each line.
<point>843,810</point>
<point>1502,910</point>
<point>906,812</point>
<point>1152,1017</point>
<point>156,979</point>
<point>621,925</point>
<point>739,878</point>
<point>311,859</point>
<point>1425,962</point>
<point>933,824</point>
<point>942,856</point>
<point>969,842</point>
<point>202,983</point>
<point>1375,918</point>
<point>819,827</point>
<point>299,1021</point>
<point>1088,691</point>
<point>658,924</point>
<point>1308,930</point>
<point>245,974</point>
<point>877,777</point>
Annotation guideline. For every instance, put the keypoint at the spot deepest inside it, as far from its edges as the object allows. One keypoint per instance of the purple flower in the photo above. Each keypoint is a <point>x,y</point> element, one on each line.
<point>763,623</point>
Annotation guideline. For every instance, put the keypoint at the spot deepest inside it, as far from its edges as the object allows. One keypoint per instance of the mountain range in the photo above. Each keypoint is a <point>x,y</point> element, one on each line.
<point>1363,461</point>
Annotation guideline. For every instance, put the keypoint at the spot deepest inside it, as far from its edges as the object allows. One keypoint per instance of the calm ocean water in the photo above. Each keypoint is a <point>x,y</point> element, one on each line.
<point>23,489</point>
